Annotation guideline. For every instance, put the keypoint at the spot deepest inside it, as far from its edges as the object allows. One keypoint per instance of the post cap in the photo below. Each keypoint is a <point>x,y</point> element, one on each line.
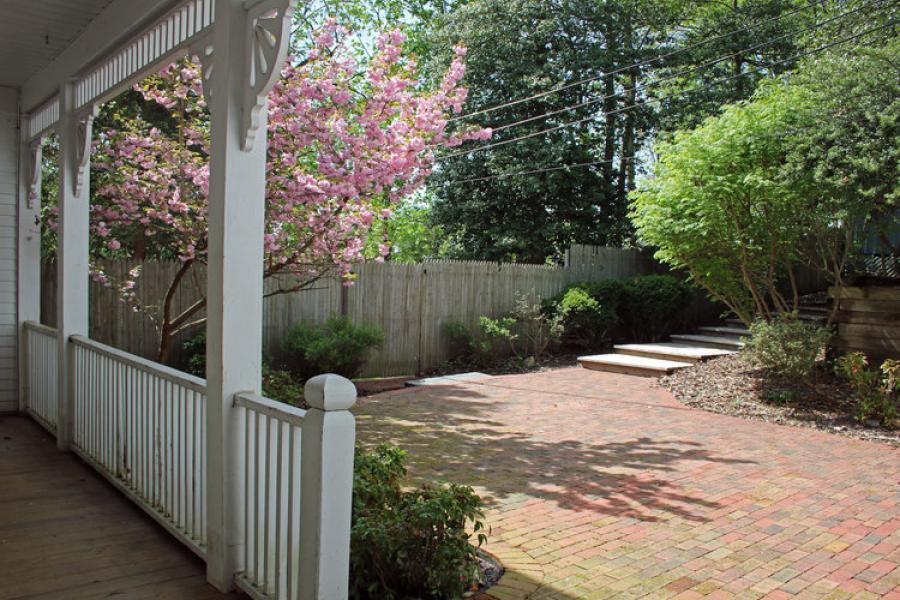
<point>329,392</point>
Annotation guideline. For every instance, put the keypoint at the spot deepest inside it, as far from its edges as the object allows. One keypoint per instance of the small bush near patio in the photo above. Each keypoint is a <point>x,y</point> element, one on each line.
<point>339,346</point>
<point>876,391</point>
<point>787,346</point>
<point>281,385</point>
<point>652,305</point>
<point>194,353</point>
<point>589,312</point>
<point>409,544</point>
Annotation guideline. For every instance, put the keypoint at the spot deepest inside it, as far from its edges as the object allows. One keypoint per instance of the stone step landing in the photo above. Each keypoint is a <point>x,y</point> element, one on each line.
<point>728,331</point>
<point>673,351</point>
<point>631,365</point>
<point>710,341</point>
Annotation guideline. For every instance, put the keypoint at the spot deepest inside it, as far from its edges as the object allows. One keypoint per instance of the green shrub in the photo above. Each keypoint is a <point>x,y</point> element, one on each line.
<point>588,312</point>
<point>493,342</point>
<point>786,345</point>
<point>460,340</point>
<point>876,392</point>
<point>533,329</point>
<point>281,385</point>
<point>652,305</point>
<point>194,354</point>
<point>339,346</point>
<point>410,543</point>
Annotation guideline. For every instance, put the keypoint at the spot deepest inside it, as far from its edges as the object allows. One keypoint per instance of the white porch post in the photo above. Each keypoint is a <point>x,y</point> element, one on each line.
<point>237,99</point>
<point>74,132</point>
<point>28,287</point>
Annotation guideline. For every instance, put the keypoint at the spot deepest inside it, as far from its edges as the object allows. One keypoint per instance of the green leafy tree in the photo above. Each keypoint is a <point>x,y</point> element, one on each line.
<point>520,48</point>
<point>791,177</point>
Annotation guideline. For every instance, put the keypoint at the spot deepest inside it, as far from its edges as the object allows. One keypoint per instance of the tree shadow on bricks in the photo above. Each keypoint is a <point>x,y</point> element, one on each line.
<point>456,433</point>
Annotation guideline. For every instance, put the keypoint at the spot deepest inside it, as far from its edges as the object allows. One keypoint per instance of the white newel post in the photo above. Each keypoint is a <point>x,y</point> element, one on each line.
<point>326,488</point>
<point>28,286</point>
<point>248,48</point>
<point>74,132</point>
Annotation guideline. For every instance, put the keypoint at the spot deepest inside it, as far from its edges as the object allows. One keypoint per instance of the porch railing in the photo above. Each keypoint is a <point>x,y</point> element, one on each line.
<point>42,354</point>
<point>143,426</point>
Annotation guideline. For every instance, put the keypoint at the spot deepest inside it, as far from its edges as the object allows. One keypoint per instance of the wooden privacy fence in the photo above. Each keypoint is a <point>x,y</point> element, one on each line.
<point>411,303</point>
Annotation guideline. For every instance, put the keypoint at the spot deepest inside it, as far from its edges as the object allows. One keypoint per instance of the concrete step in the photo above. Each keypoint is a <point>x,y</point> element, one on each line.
<point>732,331</point>
<point>672,351</point>
<point>812,317</point>
<point>631,365</point>
<point>712,341</point>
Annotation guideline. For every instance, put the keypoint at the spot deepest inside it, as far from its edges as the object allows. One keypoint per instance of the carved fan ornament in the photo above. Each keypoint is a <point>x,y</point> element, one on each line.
<point>268,34</point>
<point>268,30</point>
<point>83,129</point>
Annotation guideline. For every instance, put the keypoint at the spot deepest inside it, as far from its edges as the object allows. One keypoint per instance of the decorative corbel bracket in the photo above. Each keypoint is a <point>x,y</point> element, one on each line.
<point>268,36</point>
<point>83,129</point>
<point>35,157</point>
<point>203,50</point>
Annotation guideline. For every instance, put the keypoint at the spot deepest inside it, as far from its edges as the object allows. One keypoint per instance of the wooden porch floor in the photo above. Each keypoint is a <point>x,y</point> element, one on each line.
<point>66,533</point>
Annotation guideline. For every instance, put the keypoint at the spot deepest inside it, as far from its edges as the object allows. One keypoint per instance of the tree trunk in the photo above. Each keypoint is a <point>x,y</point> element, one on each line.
<point>609,133</point>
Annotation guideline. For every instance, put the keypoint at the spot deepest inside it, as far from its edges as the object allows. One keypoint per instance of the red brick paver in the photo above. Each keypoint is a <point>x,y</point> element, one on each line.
<point>601,485</point>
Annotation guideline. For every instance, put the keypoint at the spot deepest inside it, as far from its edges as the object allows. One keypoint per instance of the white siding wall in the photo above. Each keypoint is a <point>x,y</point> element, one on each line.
<point>8,161</point>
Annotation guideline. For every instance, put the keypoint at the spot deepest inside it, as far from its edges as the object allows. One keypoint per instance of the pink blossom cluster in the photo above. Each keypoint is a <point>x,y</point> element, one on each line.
<point>344,142</point>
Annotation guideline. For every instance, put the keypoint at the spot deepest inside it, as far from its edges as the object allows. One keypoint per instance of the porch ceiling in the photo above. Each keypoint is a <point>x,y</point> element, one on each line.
<point>34,32</point>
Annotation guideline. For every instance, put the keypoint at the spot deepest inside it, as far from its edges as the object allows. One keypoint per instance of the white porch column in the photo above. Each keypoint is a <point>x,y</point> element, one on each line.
<point>28,288</point>
<point>237,93</point>
<point>74,132</point>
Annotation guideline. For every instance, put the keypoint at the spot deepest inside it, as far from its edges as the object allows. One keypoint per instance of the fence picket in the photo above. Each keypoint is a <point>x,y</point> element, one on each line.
<point>411,303</point>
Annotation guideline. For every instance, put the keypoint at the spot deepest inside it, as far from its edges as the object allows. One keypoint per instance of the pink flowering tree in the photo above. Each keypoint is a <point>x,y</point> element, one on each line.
<point>345,141</point>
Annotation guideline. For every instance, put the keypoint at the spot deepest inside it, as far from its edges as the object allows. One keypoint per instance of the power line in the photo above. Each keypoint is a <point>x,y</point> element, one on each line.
<point>681,93</point>
<point>592,163</point>
<point>637,64</point>
<point>686,71</point>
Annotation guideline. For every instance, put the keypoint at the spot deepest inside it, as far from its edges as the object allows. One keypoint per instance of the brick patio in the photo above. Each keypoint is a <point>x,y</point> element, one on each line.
<point>602,485</point>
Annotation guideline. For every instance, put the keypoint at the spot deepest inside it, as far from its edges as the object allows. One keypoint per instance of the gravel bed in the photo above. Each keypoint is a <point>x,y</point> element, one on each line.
<point>730,385</point>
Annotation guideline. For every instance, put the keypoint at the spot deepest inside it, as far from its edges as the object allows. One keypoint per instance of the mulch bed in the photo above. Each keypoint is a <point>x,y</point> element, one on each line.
<point>730,385</point>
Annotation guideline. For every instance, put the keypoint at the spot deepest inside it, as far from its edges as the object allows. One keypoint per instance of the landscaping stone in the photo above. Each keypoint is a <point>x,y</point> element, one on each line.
<point>448,379</point>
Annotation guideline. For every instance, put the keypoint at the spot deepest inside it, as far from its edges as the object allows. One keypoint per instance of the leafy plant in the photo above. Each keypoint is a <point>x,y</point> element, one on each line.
<point>460,340</point>
<point>588,312</point>
<point>786,345</point>
<point>876,391</point>
<point>194,349</point>
<point>534,329</point>
<point>494,341</point>
<point>653,304</point>
<point>281,385</point>
<point>410,543</point>
<point>339,346</point>
<point>780,396</point>
<point>277,384</point>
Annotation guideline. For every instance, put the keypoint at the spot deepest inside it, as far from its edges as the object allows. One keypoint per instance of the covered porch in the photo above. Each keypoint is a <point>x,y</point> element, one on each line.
<point>56,509</point>
<point>258,493</point>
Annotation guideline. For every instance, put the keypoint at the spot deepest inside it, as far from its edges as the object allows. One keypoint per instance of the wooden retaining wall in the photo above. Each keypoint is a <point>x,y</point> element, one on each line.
<point>868,320</point>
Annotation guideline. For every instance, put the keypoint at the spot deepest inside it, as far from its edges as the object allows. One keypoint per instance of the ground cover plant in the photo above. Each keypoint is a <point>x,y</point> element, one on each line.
<point>825,400</point>
<point>337,346</point>
<point>410,543</point>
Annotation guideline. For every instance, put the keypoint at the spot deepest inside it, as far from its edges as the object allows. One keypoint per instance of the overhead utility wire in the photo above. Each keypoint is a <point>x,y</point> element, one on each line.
<point>544,170</point>
<point>637,64</point>
<point>681,93</point>
<point>683,72</point>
